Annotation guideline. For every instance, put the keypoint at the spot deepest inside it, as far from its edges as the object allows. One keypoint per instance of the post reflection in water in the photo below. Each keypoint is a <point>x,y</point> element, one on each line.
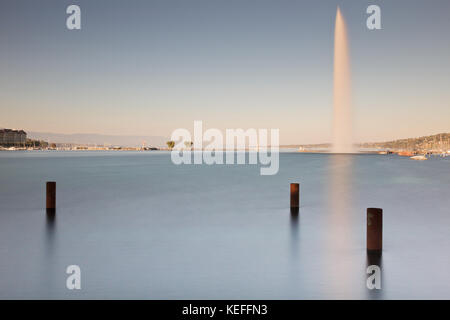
<point>48,272</point>
<point>294,225</point>
<point>296,265</point>
<point>375,259</point>
<point>50,225</point>
<point>50,221</point>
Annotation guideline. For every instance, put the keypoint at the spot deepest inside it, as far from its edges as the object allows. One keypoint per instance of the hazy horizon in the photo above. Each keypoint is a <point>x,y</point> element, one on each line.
<point>146,68</point>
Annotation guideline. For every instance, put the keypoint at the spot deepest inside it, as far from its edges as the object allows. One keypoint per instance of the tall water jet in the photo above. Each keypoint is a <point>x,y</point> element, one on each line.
<point>342,110</point>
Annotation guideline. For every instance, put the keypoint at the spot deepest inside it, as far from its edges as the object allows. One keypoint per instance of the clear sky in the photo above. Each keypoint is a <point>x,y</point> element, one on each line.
<point>149,67</point>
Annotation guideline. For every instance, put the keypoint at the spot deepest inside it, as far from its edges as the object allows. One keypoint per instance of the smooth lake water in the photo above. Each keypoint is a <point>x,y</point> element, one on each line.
<point>141,227</point>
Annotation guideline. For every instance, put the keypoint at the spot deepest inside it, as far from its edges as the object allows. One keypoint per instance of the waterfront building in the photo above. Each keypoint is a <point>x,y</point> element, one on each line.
<point>10,137</point>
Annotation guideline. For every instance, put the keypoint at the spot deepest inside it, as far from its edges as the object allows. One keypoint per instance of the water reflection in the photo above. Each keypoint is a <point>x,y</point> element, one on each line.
<point>341,199</point>
<point>340,241</point>
<point>48,264</point>
<point>375,259</point>
<point>345,229</point>
<point>294,232</point>
<point>50,220</point>
<point>50,225</point>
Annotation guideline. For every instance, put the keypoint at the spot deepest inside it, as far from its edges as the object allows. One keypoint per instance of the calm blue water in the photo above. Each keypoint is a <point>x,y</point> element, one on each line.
<point>141,227</point>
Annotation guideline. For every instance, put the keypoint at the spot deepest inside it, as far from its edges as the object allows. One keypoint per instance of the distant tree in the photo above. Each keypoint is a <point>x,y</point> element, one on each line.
<point>188,144</point>
<point>170,144</point>
<point>53,145</point>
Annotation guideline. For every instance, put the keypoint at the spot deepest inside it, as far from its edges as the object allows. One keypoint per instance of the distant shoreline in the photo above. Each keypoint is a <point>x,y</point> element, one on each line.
<point>401,153</point>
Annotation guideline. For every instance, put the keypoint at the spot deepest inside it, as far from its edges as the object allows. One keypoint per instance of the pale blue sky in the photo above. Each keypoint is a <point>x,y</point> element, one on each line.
<point>149,67</point>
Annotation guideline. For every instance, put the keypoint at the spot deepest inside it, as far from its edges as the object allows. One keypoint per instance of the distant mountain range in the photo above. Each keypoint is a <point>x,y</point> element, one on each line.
<point>98,139</point>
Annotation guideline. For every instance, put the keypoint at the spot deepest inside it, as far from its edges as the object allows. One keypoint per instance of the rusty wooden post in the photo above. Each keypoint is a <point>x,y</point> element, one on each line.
<point>295,196</point>
<point>51,195</point>
<point>374,230</point>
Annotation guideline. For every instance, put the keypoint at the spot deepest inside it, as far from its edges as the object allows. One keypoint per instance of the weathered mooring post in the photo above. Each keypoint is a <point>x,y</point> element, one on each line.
<point>51,196</point>
<point>295,197</point>
<point>374,230</point>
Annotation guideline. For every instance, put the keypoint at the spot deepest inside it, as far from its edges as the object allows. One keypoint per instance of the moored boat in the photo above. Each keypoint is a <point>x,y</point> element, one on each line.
<point>419,158</point>
<point>405,153</point>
